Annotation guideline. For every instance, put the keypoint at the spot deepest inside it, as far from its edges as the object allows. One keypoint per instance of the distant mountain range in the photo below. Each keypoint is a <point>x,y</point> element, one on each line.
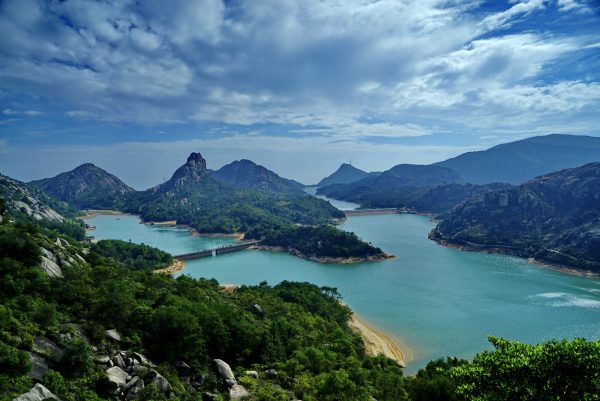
<point>345,174</point>
<point>519,161</point>
<point>247,174</point>
<point>511,163</point>
<point>554,218</point>
<point>86,187</point>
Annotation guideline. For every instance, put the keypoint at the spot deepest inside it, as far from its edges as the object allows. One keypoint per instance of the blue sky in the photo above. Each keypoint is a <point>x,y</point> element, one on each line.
<point>298,86</point>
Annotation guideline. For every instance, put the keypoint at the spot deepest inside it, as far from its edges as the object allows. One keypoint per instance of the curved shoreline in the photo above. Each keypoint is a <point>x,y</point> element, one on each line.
<point>377,342</point>
<point>323,259</point>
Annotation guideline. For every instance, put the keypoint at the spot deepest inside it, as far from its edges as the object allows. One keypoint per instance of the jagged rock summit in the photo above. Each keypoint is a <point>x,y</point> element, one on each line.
<point>192,172</point>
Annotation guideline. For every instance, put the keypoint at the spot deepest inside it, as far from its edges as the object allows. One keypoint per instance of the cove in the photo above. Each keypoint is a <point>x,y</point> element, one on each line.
<point>437,301</point>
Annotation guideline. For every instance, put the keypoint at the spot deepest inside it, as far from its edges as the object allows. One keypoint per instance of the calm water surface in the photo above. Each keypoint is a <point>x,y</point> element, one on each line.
<point>340,204</point>
<point>437,301</point>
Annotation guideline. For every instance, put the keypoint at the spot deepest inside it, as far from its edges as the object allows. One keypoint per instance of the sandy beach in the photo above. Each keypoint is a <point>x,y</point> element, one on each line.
<point>177,266</point>
<point>91,213</point>
<point>377,342</point>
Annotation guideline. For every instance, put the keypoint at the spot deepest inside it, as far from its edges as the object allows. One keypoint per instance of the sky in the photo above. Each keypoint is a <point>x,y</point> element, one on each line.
<point>297,86</point>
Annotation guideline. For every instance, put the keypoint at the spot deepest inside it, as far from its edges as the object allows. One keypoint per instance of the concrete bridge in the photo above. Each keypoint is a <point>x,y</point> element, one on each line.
<point>215,251</point>
<point>368,212</point>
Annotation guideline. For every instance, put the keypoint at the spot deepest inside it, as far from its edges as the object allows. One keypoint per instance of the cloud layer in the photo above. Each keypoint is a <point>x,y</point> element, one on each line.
<point>338,70</point>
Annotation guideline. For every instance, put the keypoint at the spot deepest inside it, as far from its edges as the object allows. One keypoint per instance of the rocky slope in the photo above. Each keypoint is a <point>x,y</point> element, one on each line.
<point>519,161</point>
<point>247,174</point>
<point>21,198</point>
<point>86,187</point>
<point>555,218</point>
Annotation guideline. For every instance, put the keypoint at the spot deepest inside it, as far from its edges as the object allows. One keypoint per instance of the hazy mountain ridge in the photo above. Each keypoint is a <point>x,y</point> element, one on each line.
<point>247,174</point>
<point>519,161</point>
<point>345,174</point>
<point>555,218</point>
<point>86,187</point>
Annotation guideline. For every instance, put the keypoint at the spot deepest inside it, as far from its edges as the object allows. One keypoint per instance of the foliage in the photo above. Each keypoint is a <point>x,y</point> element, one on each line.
<point>555,370</point>
<point>435,382</point>
<point>135,256</point>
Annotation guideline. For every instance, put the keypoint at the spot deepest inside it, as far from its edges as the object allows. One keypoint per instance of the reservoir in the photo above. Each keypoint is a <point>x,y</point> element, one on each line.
<point>436,301</point>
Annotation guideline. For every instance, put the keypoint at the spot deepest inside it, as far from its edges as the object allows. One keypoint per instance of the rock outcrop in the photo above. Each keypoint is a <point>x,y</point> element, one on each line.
<point>37,393</point>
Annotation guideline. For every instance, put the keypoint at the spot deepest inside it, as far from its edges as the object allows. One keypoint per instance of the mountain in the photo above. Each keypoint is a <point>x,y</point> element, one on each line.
<point>555,218</point>
<point>19,198</point>
<point>519,161</point>
<point>345,174</point>
<point>398,179</point>
<point>194,197</point>
<point>86,187</point>
<point>247,174</point>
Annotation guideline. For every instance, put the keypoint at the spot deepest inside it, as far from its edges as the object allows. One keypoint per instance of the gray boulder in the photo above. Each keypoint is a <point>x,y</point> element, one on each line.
<point>252,373</point>
<point>102,359</point>
<point>37,393</point>
<point>271,373</point>
<point>141,358</point>
<point>47,348</point>
<point>117,377</point>
<point>114,335</point>
<point>118,361</point>
<point>258,309</point>
<point>134,390</point>
<point>39,367</point>
<point>238,392</point>
<point>159,381</point>
<point>224,370</point>
<point>49,264</point>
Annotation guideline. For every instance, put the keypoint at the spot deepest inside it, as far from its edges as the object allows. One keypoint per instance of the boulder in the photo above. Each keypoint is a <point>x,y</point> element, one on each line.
<point>114,335</point>
<point>141,358</point>
<point>238,392</point>
<point>252,373</point>
<point>118,361</point>
<point>37,393</point>
<point>49,264</point>
<point>224,370</point>
<point>159,381</point>
<point>102,359</point>
<point>47,348</point>
<point>39,367</point>
<point>271,372</point>
<point>140,370</point>
<point>258,309</point>
<point>134,390</point>
<point>117,377</point>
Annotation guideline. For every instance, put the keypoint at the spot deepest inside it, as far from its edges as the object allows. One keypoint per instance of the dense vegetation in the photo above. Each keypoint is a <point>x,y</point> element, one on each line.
<point>318,241</point>
<point>555,218</point>
<point>298,329</point>
<point>86,187</point>
<point>138,257</point>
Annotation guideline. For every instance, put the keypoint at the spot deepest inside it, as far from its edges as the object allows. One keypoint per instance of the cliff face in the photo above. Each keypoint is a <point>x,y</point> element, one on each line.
<point>555,217</point>
<point>86,187</point>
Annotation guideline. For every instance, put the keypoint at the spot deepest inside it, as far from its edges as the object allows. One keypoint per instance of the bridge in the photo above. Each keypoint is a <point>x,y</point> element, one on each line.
<point>215,251</point>
<point>368,212</point>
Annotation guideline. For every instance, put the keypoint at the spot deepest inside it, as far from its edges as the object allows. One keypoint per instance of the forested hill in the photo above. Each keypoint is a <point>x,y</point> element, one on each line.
<point>517,162</point>
<point>247,174</point>
<point>86,187</point>
<point>555,218</point>
<point>92,322</point>
<point>345,174</point>
<point>193,197</point>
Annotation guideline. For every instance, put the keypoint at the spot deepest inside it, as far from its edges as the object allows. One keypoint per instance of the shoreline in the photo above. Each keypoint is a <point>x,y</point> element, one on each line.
<point>323,259</point>
<point>175,267</point>
<point>533,261</point>
<point>91,213</point>
<point>377,342</point>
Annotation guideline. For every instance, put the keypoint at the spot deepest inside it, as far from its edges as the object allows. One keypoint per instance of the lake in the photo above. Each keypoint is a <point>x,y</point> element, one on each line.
<point>435,300</point>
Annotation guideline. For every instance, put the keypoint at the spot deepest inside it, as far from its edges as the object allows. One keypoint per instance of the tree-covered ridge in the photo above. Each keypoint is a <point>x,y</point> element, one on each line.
<point>247,174</point>
<point>345,174</point>
<point>134,256</point>
<point>555,218</point>
<point>86,187</point>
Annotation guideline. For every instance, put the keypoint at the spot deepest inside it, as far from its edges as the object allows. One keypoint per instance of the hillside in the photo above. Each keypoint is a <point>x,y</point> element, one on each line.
<point>400,179</point>
<point>193,197</point>
<point>517,162</point>
<point>247,174</point>
<point>554,218</point>
<point>86,187</point>
<point>345,174</point>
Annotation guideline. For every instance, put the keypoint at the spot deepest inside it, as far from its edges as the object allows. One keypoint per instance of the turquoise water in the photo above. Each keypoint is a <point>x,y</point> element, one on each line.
<point>340,204</point>
<point>437,301</point>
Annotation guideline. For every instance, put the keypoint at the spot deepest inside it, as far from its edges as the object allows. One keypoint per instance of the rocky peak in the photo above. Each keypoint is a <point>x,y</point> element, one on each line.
<point>193,171</point>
